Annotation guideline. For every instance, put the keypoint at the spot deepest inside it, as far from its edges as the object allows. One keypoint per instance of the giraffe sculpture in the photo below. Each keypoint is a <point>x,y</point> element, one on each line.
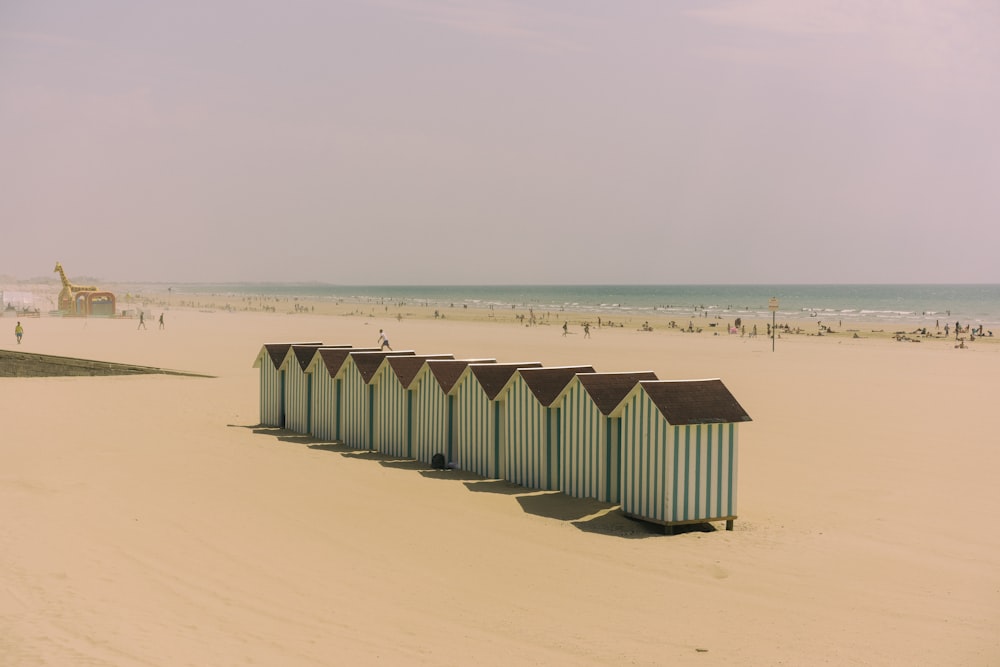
<point>69,290</point>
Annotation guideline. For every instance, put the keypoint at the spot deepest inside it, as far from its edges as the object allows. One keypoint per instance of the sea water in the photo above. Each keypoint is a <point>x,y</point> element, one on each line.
<point>917,305</point>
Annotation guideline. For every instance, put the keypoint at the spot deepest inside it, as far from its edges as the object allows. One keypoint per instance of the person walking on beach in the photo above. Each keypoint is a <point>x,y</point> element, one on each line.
<point>383,340</point>
<point>586,329</point>
<point>161,320</point>
<point>18,332</point>
<point>142,321</point>
<point>565,328</point>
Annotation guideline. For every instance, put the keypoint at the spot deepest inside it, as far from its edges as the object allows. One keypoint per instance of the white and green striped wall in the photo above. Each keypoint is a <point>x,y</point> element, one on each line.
<point>298,388</point>
<point>530,446</point>
<point>326,405</point>
<point>591,448</point>
<point>358,397</point>
<point>530,440</point>
<point>478,433</point>
<point>431,424</point>
<point>396,380</point>
<point>675,474</point>
<point>272,395</point>
<point>590,460</point>
<point>272,382</point>
<point>590,466</point>
<point>433,403</point>
<point>476,428</point>
<point>391,419</point>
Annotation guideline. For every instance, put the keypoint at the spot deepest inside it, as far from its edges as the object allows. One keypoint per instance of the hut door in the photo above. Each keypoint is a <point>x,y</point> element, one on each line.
<point>309,403</point>
<point>451,428</point>
<point>613,462</point>
<point>371,417</point>
<point>553,449</point>
<point>336,409</point>
<point>500,439</point>
<point>409,424</point>
<point>281,399</point>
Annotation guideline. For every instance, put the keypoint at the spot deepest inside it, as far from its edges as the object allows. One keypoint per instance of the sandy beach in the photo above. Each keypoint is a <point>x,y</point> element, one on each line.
<point>148,520</point>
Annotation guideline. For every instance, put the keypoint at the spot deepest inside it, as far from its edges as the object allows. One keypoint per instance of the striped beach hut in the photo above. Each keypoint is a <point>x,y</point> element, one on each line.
<point>590,462</point>
<point>393,405</point>
<point>325,404</point>
<point>530,442</point>
<point>272,382</point>
<point>358,396</point>
<point>478,416</point>
<point>680,452</point>
<point>433,407</point>
<point>299,386</point>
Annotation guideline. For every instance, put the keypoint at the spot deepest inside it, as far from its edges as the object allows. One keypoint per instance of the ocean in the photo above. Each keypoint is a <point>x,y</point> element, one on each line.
<point>916,305</point>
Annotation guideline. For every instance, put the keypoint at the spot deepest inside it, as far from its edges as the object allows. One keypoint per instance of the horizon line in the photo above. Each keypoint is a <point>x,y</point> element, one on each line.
<point>47,279</point>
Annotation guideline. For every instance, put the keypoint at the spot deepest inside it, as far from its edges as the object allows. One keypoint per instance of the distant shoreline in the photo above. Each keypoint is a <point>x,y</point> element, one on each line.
<point>854,307</point>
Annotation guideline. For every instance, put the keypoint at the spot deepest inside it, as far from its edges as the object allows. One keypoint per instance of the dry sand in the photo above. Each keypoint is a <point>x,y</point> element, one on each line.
<point>147,520</point>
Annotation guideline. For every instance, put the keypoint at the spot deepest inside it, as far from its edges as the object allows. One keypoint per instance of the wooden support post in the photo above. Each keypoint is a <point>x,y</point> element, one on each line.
<point>729,524</point>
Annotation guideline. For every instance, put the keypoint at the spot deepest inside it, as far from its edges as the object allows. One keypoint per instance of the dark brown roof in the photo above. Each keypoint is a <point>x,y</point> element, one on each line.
<point>695,402</point>
<point>493,377</point>
<point>334,357</point>
<point>277,351</point>
<point>305,353</point>
<point>447,372</point>
<point>608,389</point>
<point>406,368</point>
<point>546,383</point>
<point>368,362</point>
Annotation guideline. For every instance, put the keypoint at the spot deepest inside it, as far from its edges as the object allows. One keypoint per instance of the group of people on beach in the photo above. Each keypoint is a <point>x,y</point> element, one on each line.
<point>19,330</point>
<point>142,320</point>
<point>967,329</point>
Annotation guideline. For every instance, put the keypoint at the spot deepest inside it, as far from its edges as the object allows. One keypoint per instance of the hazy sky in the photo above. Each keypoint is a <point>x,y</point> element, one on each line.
<point>519,141</point>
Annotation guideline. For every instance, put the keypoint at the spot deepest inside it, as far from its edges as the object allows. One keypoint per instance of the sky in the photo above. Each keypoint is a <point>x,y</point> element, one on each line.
<point>393,142</point>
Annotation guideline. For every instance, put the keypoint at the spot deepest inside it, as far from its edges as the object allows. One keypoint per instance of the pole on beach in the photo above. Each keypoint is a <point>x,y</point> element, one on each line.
<point>772,305</point>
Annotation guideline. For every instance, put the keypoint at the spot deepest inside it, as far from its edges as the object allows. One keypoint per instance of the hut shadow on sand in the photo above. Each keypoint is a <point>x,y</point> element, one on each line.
<point>585,514</point>
<point>614,523</point>
<point>258,429</point>
<point>593,516</point>
<point>296,439</point>
<point>366,455</point>
<point>275,432</point>
<point>449,474</point>
<point>557,505</point>
<point>281,434</point>
<point>479,484</point>
<point>402,464</point>
<point>337,447</point>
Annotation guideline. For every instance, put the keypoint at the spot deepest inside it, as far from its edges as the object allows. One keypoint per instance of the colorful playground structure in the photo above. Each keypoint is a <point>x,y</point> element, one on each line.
<point>84,301</point>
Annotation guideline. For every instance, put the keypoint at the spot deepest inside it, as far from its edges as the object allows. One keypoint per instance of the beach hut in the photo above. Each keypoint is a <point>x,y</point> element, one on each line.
<point>272,382</point>
<point>433,407</point>
<point>358,396</point>
<point>530,442</point>
<point>680,451</point>
<point>299,386</point>
<point>478,416</point>
<point>326,403</point>
<point>590,460</point>
<point>393,405</point>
